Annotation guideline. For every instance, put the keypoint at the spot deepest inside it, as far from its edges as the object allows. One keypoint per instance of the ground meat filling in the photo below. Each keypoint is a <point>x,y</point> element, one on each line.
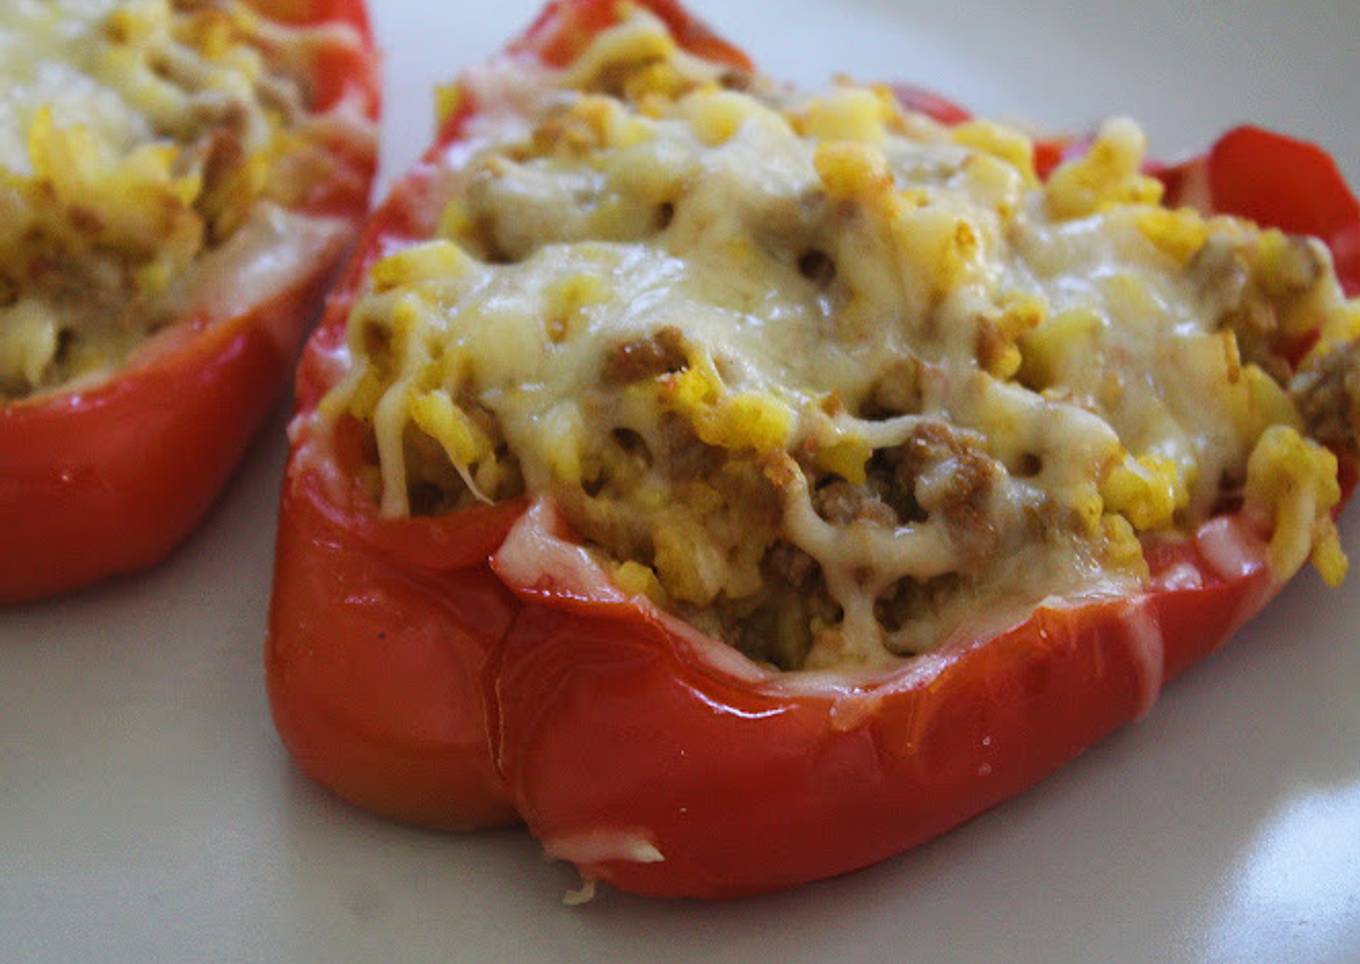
<point>641,358</point>
<point>955,479</point>
<point>1327,393</point>
<point>841,503</point>
<point>1256,287</point>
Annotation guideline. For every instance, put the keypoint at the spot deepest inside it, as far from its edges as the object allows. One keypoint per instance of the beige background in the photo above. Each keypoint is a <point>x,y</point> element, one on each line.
<point>148,813</point>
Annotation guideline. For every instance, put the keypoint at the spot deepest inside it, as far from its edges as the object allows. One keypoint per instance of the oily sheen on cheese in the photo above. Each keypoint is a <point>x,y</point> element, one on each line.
<point>827,379</point>
<point>145,144</point>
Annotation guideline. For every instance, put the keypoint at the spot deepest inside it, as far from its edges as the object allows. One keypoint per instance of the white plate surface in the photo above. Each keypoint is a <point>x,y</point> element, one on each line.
<point>148,813</point>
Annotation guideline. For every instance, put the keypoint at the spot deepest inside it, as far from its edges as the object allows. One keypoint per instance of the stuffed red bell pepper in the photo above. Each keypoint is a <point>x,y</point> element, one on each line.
<point>741,485</point>
<point>177,180</point>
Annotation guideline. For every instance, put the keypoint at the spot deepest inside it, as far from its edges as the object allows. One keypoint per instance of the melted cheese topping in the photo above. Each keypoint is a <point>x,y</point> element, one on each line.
<point>831,381</point>
<point>137,137</point>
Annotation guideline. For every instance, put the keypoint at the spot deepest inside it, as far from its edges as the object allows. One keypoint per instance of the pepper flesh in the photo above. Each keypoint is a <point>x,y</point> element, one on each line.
<point>611,724</point>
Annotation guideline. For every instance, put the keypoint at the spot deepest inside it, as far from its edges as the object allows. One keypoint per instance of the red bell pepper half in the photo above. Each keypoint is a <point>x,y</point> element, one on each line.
<point>109,478</point>
<point>461,670</point>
